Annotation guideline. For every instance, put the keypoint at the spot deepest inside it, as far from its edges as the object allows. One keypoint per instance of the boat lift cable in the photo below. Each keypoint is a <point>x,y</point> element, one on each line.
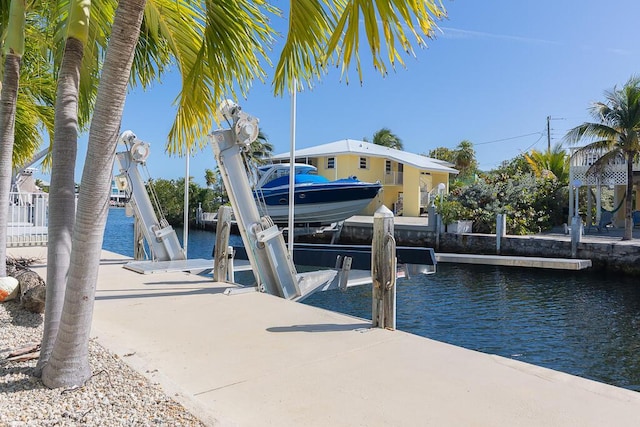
<point>154,197</point>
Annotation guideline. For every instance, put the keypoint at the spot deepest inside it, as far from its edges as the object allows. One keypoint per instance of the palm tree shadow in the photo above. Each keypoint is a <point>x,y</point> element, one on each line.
<point>22,317</point>
<point>27,380</point>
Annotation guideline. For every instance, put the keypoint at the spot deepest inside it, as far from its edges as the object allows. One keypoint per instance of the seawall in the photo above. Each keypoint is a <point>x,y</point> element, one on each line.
<point>606,252</point>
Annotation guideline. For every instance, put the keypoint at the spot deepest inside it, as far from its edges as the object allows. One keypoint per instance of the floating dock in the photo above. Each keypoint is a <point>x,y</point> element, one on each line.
<point>516,261</point>
<point>258,360</point>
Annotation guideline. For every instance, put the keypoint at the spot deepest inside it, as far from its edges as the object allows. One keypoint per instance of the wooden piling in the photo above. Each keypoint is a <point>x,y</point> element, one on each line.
<point>221,254</point>
<point>383,270</point>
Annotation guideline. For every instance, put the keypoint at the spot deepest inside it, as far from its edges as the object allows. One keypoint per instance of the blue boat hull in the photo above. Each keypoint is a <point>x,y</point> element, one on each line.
<point>317,204</point>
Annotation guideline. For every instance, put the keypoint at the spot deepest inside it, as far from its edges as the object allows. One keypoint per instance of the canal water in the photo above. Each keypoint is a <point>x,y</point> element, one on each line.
<point>582,323</point>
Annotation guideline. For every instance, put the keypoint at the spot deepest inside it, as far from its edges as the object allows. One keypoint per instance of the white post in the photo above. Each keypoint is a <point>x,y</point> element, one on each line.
<point>576,222</point>
<point>501,230</point>
<point>292,168</point>
<point>185,229</point>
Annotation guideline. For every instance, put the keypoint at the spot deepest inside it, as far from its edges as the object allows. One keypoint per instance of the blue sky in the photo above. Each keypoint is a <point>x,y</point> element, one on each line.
<point>494,73</point>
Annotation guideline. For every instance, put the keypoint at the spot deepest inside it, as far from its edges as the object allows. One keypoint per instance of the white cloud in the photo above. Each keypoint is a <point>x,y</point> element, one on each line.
<point>456,33</point>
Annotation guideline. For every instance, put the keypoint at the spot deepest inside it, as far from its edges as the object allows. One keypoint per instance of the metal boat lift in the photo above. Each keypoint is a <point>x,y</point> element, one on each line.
<point>166,252</point>
<point>272,264</point>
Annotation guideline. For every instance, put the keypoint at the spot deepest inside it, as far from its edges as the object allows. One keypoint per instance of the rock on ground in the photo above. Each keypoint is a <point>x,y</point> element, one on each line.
<point>116,395</point>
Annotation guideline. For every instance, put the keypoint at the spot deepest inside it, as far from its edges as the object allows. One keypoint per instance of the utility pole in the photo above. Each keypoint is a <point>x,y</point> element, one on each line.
<point>548,134</point>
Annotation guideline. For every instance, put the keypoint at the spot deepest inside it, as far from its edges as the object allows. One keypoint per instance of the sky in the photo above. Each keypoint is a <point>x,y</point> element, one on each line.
<point>494,73</point>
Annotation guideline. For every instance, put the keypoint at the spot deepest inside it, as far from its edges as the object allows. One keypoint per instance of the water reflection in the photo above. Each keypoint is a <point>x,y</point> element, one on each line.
<point>577,322</point>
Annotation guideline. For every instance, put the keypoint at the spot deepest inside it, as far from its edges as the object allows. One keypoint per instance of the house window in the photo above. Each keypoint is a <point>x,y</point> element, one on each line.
<point>400,167</point>
<point>331,162</point>
<point>363,163</point>
<point>387,166</point>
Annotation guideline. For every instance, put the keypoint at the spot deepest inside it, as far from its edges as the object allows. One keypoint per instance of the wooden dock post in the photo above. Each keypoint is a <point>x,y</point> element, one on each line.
<point>383,270</point>
<point>221,255</point>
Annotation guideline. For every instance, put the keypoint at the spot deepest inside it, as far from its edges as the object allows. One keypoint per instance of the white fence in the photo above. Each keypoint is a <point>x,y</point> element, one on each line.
<point>28,219</point>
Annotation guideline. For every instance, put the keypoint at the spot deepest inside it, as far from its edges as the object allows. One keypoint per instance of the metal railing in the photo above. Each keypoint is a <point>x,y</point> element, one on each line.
<point>393,178</point>
<point>28,219</point>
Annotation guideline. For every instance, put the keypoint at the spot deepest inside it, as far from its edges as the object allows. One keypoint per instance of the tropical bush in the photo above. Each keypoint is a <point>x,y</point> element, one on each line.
<point>531,204</point>
<point>452,210</point>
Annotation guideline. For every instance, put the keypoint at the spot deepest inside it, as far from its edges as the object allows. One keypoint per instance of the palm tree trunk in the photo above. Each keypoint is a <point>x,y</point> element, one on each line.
<point>61,193</point>
<point>13,50</point>
<point>69,362</point>
<point>628,203</point>
<point>8,101</point>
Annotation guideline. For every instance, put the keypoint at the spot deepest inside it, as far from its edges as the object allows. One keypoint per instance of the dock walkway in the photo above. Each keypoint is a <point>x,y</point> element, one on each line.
<point>258,360</point>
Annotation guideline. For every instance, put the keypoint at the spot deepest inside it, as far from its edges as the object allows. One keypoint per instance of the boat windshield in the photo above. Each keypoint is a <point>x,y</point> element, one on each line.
<point>271,172</point>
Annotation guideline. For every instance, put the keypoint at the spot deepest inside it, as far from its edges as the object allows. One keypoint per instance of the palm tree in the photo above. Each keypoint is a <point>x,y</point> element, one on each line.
<point>63,159</point>
<point>26,102</point>
<point>260,150</point>
<point>616,132</point>
<point>386,138</point>
<point>465,159</point>
<point>69,362</point>
<point>228,58</point>
<point>13,50</point>
<point>210,178</point>
<point>554,162</point>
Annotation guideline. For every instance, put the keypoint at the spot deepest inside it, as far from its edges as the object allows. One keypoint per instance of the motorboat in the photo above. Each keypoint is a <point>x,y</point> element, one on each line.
<point>317,200</point>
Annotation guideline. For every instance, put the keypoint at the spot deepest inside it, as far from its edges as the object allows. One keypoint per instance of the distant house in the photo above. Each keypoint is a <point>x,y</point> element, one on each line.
<point>409,180</point>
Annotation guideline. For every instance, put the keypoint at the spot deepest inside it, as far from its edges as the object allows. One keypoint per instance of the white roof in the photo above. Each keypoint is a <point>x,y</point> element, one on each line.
<point>352,146</point>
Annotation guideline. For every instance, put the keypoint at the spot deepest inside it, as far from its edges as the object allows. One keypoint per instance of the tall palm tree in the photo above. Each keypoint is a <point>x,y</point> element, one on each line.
<point>63,161</point>
<point>386,138</point>
<point>13,50</point>
<point>229,57</point>
<point>616,132</point>
<point>554,162</point>
<point>69,362</point>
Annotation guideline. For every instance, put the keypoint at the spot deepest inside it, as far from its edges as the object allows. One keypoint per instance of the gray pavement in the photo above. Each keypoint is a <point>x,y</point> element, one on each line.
<point>257,360</point>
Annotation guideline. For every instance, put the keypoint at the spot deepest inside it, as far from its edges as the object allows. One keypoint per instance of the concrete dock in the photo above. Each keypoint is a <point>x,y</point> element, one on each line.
<point>257,360</point>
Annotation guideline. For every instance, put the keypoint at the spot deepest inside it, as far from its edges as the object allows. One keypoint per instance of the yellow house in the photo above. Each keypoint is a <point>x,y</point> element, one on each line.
<point>409,180</point>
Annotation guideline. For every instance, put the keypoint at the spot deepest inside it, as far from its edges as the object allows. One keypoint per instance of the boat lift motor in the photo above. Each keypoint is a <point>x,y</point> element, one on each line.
<point>160,236</point>
<point>271,262</point>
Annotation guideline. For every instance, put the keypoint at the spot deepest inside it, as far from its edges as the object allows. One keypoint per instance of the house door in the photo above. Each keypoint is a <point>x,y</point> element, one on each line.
<point>426,183</point>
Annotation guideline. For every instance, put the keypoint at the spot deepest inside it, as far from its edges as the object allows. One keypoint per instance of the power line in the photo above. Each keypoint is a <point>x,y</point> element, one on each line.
<point>510,138</point>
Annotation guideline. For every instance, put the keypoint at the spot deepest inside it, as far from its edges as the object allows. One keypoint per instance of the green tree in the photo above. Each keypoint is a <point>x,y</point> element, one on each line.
<point>443,153</point>
<point>517,165</point>
<point>616,132</point>
<point>319,33</point>
<point>554,163</point>
<point>210,178</point>
<point>465,159</point>
<point>386,138</point>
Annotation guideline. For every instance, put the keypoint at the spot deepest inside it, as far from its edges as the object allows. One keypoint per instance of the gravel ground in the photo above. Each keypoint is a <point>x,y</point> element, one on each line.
<point>115,395</point>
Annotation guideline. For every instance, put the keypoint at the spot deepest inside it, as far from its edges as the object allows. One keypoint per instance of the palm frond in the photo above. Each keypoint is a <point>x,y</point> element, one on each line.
<point>221,52</point>
<point>397,18</point>
<point>302,58</point>
<point>591,131</point>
